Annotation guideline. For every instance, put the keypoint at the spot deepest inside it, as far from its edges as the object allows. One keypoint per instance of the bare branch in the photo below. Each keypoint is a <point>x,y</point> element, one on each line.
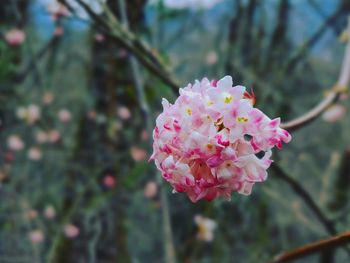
<point>318,246</point>
<point>332,97</point>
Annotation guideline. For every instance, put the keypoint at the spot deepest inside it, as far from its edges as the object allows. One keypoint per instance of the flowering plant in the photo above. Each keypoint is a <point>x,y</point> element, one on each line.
<point>207,143</point>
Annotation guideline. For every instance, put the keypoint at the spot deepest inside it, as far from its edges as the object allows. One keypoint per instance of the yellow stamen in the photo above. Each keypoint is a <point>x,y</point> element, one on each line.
<point>242,119</point>
<point>228,99</point>
<point>189,111</point>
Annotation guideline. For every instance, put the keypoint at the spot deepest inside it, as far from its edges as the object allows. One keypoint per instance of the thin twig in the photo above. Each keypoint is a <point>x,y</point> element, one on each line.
<point>129,41</point>
<point>309,201</point>
<point>318,246</point>
<point>169,249</point>
<point>332,97</point>
<point>291,63</point>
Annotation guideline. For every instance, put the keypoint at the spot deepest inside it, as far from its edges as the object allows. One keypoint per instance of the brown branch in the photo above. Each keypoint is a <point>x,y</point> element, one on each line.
<point>130,42</point>
<point>309,201</point>
<point>341,10</point>
<point>315,247</point>
<point>332,97</point>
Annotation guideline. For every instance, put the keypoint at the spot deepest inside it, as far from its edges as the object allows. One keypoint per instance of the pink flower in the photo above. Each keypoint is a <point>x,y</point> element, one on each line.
<point>206,143</point>
<point>334,113</point>
<point>151,189</point>
<point>42,136</point>
<point>15,143</point>
<point>206,227</point>
<point>30,114</point>
<point>138,154</point>
<point>59,31</point>
<point>64,115</point>
<point>36,236</point>
<point>48,97</point>
<point>31,214</point>
<point>109,181</point>
<point>15,37</point>
<point>50,212</point>
<point>211,58</point>
<point>71,231</point>
<point>123,113</point>
<point>35,154</point>
<point>56,9</point>
<point>54,136</point>
<point>99,37</point>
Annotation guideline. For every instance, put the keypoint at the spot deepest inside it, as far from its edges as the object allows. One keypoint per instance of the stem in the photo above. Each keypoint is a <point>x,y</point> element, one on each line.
<point>169,250</point>
<point>311,248</point>
<point>332,97</point>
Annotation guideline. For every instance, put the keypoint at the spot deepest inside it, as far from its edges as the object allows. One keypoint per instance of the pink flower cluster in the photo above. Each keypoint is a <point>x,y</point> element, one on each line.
<point>207,143</point>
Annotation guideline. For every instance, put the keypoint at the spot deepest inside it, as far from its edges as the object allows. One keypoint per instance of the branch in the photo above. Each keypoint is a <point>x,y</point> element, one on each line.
<point>129,41</point>
<point>291,64</point>
<point>318,246</point>
<point>31,64</point>
<point>332,97</point>
<point>309,201</point>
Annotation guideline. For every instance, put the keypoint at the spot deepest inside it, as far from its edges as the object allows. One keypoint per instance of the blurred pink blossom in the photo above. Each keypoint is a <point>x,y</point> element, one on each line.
<point>48,98</point>
<point>109,181</point>
<point>334,113</point>
<point>30,114</point>
<point>34,154</point>
<point>56,9</point>
<point>64,115</point>
<point>71,231</point>
<point>138,154</point>
<point>92,114</point>
<point>54,136</point>
<point>206,227</point>
<point>123,113</point>
<point>15,143</point>
<point>211,58</point>
<point>151,189</point>
<point>42,137</point>
<point>59,31</point>
<point>15,37</point>
<point>31,214</point>
<point>144,135</point>
<point>50,212</point>
<point>99,37</point>
<point>36,236</point>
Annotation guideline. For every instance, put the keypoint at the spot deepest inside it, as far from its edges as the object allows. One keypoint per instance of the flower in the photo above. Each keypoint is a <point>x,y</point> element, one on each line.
<point>36,236</point>
<point>99,37</point>
<point>41,137</point>
<point>56,9</point>
<point>48,97</point>
<point>109,181</point>
<point>15,37</point>
<point>151,189</point>
<point>30,114</point>
<point>54,136</point>
<point>207,143</point>
<point>138,154</point>
<point>31,214</point>
<point>34,154</point>
<point>15,143</point>
<point>64,115</point>
<point>50,212</point>
<point>206,227</point>
<point>334,113</point>
<point>71,231</point>
<point>123,113</point>
<point>59,31</point>
<point>211,58</point>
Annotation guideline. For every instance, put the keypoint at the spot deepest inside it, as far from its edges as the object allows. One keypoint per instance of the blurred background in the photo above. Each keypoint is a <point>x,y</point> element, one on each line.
<point>77,109</point>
